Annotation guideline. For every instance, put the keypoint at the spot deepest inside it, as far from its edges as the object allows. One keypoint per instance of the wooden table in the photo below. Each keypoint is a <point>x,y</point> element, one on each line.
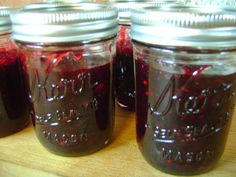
<point>22,155</point>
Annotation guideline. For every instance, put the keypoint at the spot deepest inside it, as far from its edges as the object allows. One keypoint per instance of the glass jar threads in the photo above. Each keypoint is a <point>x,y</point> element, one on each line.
<point>69,53</point>
<point>14,114</point>
<point>185,64</point>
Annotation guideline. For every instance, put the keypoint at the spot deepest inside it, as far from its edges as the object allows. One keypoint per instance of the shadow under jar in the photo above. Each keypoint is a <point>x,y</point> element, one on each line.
<point>14,114</point>
<point>185,86</point>
<point>70,74</point>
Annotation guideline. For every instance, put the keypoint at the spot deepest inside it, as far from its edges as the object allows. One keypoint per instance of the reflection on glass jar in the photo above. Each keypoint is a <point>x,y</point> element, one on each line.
<point>71,83</point>
<point>185,94</point>
<point>14,114</point>
<point>124,64</point>
<point>124,70</point>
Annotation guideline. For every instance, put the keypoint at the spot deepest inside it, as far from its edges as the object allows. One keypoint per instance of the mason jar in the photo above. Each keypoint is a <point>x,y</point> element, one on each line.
<point>14,114</point>
<point>124,65</point>
<point>68,51</point>
<point>185,65</point>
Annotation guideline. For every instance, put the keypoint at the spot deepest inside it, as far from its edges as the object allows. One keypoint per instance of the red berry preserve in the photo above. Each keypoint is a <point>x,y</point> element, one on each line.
<point>13,100</point>
<point>185,87</point>
<point>124,70</point>
<point>70,76</point>
<point>124,64</point>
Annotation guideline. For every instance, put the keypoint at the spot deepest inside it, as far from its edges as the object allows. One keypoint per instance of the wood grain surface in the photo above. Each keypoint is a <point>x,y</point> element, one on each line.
<point>16,3</point>
<point>22,155</point>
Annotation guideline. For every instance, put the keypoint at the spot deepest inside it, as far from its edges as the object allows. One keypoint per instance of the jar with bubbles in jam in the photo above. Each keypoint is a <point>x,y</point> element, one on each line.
<point>68,50</point>
<point>185,64</point>
<point>14,114</point>
<point>124,65</point>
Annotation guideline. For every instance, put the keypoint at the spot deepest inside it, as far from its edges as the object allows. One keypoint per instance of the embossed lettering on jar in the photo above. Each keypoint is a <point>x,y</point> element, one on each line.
<point>70,75</point>
<point>14,114</point>
<point>185,87</point>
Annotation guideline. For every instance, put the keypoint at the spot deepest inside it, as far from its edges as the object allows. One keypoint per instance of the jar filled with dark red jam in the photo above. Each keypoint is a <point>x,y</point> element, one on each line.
<point>124,65</point>
<point>13,93</point>
<point>68,50</point>
<point>185,65</point>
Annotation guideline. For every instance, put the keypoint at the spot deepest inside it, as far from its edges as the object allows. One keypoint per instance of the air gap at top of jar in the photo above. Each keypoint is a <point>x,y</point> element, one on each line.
<point>124,69</point>
<point>185,64</point>
<point>68,50</point>
<point>13,94</point>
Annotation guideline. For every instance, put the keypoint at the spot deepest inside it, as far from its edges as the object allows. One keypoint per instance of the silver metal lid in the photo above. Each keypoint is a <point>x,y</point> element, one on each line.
<point>68,1</point>
<point>125,7</point>
<point>185,26</point>
<point>222,3</point>
<point>5,21</point>
<point>52,3</point>
<point>40,5</point>
<point>82,22</point>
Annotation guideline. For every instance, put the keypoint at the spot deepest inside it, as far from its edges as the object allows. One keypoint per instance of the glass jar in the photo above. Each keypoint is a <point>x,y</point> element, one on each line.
<point>69,57</point>
<point>185,64</point>
<point>124,65</point>
<point>124,70</point>
<point>13,100</point>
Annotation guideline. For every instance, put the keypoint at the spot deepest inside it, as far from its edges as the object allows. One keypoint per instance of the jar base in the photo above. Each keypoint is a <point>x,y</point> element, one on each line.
<point>78,154</point>
<point>12,132</point>
<point>181,172</point>
<point>127,108</point>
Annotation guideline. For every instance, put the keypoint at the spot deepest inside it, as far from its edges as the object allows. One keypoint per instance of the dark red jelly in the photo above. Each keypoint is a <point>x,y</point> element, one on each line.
<point>73,102</point>
<point>13,94</point>
<point>124,70</point>
<point>183,115</point>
